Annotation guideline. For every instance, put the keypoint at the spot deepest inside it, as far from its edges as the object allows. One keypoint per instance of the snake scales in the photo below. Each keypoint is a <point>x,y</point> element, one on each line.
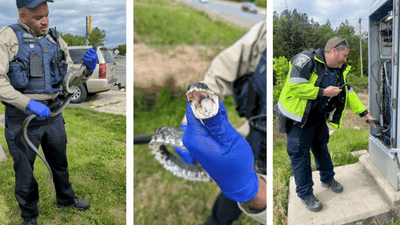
<point>173,137</point>
<point>205,105</point>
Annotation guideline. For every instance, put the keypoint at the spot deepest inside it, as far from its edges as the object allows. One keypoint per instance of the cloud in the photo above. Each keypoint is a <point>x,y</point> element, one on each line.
<point>69,16</point>
<point>322,10</point>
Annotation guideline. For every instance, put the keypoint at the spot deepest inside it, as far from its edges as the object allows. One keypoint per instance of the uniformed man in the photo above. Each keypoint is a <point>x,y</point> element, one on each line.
<point>240,70</point>
<point>315,92</point>
<point>32,68</point>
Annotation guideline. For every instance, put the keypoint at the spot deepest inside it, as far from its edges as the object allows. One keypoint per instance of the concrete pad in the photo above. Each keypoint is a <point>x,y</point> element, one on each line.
<point>108,97</point>
<point>361,200</point>
<point>391,195</point>
<point>111,102</point>
<point>2,121</point>
<point>3,156</point>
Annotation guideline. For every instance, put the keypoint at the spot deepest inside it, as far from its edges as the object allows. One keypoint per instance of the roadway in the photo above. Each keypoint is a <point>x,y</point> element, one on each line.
<point>120,71</point>
<point>230,11</point>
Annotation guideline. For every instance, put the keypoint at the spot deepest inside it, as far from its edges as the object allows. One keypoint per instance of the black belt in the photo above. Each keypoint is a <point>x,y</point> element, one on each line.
<point>48,101</point>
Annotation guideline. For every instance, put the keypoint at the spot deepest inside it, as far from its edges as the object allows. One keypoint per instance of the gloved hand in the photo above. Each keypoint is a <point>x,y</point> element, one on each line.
<point>184,153</point>
<point>90,59</point>
<point>223,153</point>
<point>38,108</point>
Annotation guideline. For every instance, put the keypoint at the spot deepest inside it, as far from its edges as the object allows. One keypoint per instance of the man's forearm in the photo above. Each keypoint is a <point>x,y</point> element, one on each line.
<point>259,202</point>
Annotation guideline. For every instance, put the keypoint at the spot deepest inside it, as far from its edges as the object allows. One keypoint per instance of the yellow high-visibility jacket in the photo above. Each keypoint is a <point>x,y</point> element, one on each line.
<point>306,71</point>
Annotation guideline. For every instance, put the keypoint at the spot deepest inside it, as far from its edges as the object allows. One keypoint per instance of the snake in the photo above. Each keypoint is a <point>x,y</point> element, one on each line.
<point>72,79</point>
<point>205,105</point>
<point>25,125</point>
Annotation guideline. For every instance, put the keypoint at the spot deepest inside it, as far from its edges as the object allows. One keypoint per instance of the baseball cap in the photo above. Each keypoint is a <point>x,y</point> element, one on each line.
<point>30,4</point>
<point>334,42</point>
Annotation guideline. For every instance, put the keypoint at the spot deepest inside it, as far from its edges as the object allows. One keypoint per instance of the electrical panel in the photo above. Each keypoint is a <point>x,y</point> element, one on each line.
<point>383,70</point>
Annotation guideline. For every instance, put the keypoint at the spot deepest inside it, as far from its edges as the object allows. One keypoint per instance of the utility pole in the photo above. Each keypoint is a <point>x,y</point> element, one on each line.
<point>361,49</point>
<point>86,34</point>
<point>88,28</point>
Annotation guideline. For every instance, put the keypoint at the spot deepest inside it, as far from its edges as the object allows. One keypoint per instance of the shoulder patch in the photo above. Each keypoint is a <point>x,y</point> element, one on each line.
<point>302,60</point>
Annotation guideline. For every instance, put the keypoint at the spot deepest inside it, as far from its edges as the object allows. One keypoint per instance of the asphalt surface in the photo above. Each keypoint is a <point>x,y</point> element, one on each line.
<point>230,11</point>
<point>120,71</point>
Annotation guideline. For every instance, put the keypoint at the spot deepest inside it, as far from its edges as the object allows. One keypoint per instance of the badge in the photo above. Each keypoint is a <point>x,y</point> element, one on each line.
<point>31,46</point>
<point>302,60</point>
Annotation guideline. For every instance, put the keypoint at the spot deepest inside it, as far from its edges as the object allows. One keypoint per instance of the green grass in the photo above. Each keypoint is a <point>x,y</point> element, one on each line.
<point>340,146</point>
<point>160,197</point>
<point>96,156</point>
<point>168,22</point>
<point>2,108</point>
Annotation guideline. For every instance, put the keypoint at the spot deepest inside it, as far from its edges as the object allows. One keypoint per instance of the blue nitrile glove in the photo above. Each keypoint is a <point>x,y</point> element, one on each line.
<point>184,153</point>
<point>223,153</point>
<point>38,108</point>
<point>90,59</point>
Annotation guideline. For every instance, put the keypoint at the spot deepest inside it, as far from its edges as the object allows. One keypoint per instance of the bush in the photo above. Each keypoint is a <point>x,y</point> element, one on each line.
<point>281,70</point>
<point>359,84</point>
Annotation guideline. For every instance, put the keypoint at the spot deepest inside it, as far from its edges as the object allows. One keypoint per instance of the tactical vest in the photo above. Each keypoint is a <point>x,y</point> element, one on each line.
<point>39,66</point>
<point>249,91</point>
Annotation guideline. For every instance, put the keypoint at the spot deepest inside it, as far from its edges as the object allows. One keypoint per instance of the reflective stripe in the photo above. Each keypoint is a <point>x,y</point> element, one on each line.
<point>351,90</point>
<point>298,80</point>
<point>288,114</point>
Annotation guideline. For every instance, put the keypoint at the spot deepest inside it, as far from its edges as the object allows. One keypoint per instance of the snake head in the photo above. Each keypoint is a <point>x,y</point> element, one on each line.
<point>203,101</point>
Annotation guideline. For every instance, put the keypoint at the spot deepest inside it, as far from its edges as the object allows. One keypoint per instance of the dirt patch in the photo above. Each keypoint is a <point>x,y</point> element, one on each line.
<point>351,120</point>
<point>184,64</point>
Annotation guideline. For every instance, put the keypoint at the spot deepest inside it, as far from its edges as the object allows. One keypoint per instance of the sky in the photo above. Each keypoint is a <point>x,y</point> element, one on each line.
<point>69,16</point>
<point>336,11</point>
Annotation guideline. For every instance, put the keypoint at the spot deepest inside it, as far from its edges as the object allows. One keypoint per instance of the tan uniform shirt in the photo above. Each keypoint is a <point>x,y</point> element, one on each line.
<point>237,60</point>
<point>8,50</point>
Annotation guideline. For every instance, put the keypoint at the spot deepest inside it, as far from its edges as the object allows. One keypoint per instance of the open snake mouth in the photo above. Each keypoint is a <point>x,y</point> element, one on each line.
<point>203,101</point>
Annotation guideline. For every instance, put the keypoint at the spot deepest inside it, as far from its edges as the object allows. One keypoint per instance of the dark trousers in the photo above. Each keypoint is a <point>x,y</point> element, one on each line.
<point>226,210</point>
<point>50,134</point>
<point>315,136</point>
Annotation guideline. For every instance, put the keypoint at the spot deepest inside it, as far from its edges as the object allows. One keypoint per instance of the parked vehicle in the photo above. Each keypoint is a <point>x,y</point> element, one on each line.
<point>250,7</point>
<point>104,76</point>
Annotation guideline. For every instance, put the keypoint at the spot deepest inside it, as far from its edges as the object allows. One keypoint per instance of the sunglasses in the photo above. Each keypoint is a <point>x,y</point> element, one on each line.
<point>343,42</point>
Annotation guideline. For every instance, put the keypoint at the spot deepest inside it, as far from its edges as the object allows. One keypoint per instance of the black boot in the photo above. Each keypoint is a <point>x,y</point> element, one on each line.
<point>312,203</point>
<point>30,221</point>
<point>78,204</point>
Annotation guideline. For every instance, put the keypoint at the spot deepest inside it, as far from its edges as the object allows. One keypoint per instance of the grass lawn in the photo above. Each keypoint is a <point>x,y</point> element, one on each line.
<point>171,23</point>
<point>97,165</point>
<point>160,197</point>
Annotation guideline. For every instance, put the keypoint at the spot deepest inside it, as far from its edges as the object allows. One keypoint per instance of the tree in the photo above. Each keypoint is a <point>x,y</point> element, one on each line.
<point>328,23</point>
<point>293,32</point>
<point>122,49</point>
<point>97,36</point>
<point>322,35</point>
<point>73,40</point>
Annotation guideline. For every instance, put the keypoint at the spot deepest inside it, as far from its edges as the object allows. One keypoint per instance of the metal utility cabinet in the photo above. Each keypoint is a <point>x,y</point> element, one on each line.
<point>383,72</point>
